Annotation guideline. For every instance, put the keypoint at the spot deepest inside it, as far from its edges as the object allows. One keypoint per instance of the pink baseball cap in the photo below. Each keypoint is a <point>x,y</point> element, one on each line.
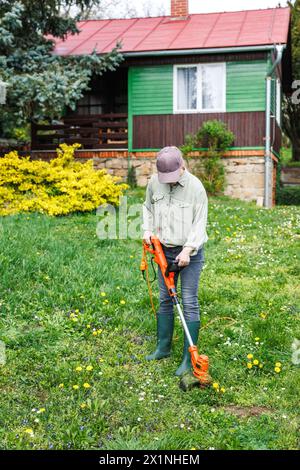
<point>168,164</point>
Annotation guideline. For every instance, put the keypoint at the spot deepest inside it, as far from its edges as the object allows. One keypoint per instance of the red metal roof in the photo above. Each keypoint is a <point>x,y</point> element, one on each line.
<point>198,31</point>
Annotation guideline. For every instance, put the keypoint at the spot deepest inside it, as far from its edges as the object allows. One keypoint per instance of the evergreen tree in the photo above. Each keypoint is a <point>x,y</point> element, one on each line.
<point>40,84</point>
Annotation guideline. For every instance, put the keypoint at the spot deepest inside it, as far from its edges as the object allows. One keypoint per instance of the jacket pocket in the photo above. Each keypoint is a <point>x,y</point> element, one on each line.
<point>157,197</point>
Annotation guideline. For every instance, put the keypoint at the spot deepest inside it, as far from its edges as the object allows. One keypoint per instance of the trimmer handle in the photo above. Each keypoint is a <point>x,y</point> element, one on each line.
<point>173,267</point>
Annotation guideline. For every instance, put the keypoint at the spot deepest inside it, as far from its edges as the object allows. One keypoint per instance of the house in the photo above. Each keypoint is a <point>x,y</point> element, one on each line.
<point>178,72</point>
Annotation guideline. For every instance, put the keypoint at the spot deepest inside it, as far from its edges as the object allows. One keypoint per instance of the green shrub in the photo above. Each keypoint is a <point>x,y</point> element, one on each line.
<point>216,138</point>
<point>289,196</point>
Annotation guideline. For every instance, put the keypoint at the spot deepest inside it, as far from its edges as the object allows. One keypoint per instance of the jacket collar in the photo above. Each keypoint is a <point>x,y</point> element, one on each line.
<point>183,178</point>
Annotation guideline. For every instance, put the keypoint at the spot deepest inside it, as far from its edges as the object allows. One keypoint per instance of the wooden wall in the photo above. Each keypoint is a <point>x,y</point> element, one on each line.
<point>157,131</point>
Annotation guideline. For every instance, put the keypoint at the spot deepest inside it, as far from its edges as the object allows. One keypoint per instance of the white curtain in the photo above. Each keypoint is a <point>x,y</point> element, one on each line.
<point>212,86</point>
<point>187,88</point>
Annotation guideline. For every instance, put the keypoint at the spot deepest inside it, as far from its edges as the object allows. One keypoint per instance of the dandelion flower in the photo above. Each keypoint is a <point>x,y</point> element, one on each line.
<point>82,406</point>
<point>75,387</point>
<point>41,410</point>
<point>86,385</point>
<point>95,333</point>
<point>278,364</point>
<point>103,294</point>
<point>99,332</point>
<point>61,386</point>
<point>257,338</point>
<point>223,389</point>
<point>89,368</point>
<point>260,366</point>
<point>249,365</point>
<point>215,385</point>
<point>277,370</point>
<point>255,362</point>
<point>88,326</point>
<point>78,369</point>
<point>250,356</point>
<point>122,302</point>
<point>29,431</point>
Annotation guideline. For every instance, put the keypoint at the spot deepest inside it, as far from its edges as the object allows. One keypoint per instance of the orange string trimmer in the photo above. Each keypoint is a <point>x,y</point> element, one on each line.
<point>200,362</point>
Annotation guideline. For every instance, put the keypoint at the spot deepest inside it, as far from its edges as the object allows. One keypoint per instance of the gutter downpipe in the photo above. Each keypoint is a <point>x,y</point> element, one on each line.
<point>268,158</point>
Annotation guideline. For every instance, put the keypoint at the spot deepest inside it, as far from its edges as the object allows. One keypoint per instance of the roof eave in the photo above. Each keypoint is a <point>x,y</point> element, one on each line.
<point>216,50</point>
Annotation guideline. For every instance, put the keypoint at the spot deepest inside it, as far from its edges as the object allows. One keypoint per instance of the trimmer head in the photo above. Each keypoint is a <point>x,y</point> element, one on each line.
<point>200,364</point>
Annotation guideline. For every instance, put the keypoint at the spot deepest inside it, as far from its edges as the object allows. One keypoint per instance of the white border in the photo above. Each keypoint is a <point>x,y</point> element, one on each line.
<point>199,89</point>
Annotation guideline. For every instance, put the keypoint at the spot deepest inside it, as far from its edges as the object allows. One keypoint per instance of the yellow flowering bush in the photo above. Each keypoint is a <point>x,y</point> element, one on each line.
<point>58,187</point>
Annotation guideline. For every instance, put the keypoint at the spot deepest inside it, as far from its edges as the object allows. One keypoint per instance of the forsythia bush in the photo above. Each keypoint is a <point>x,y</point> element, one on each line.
<point>58,187</point>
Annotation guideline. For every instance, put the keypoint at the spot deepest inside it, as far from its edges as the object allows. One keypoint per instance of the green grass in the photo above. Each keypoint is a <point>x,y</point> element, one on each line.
<point>53,271</point>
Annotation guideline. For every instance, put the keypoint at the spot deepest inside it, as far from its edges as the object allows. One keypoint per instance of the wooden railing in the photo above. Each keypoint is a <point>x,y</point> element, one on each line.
<point>98,131</point>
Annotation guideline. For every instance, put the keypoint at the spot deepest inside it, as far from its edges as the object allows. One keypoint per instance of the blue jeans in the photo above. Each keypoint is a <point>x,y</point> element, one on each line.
<point>189,277</point>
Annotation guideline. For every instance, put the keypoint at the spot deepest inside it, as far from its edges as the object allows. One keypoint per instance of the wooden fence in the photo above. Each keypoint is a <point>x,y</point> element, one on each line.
<point>99,131</point>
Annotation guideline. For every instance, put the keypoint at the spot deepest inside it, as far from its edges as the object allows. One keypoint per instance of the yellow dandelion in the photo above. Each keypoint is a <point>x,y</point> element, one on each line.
<point>89,368</point>
<point>86,385</point>
<point>257,338</point>
<point>88,326</point>
<point>99,332</point>
<point>277,370</point>
<point>101,360</point>
<point>75,319</point>
<point>215,385</point>
<point>103,294</point>
<point>263,315</point>
<point>122,302</point>
<point>28,431</point>
<point>41,410</point>
<point>260,366</point>
<point>61,385</point>
<point>250,356</point>
<point>249,365</point>
<point>82,406</point>
<point>278,364</point>
<point>75,387</point>
<point>95,333</point>
<point>78,369</point>
<point>223,390</point>
<point>77,311</point>
<point>255,362</point>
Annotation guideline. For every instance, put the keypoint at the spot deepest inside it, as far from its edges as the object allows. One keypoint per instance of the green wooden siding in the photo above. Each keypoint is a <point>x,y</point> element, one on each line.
<point>151,89</point>
<point>246,87</point>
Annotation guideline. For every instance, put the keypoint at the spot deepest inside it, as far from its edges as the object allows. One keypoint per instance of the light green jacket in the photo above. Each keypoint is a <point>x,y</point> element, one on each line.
<point>177,215</point>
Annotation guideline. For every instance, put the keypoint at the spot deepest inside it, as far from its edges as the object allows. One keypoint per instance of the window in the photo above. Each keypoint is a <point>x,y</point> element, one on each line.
<point>278,102</point>
<point>200,88</point>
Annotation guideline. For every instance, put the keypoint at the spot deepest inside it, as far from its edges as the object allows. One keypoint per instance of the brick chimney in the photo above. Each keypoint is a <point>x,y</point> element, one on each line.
<point>179,8</point>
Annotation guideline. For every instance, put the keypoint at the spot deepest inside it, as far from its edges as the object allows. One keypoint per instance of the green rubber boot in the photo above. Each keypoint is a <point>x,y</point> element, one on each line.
<point>194,327</point>
<point>165,327</point>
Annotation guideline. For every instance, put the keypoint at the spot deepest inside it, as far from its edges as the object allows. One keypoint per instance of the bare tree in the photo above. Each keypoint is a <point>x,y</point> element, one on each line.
<point>120,9</point>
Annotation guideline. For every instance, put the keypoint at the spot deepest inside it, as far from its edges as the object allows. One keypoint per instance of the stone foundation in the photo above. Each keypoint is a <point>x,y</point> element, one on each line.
<point>244,169</point>
<point>244,176</point>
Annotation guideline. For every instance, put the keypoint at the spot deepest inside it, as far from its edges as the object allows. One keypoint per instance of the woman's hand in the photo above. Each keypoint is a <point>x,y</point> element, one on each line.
<point>147,237</point>
<point>184,257</point>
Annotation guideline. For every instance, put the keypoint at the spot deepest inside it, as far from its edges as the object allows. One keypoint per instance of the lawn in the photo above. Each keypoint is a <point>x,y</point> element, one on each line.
<point>76,321</point>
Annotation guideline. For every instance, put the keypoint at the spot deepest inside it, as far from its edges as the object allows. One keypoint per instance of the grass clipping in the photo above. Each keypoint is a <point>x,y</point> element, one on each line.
<point>58,187</point>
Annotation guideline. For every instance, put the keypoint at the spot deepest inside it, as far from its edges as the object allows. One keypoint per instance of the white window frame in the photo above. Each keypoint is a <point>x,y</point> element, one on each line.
<point>278,102</point>
<point>199,108</point>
